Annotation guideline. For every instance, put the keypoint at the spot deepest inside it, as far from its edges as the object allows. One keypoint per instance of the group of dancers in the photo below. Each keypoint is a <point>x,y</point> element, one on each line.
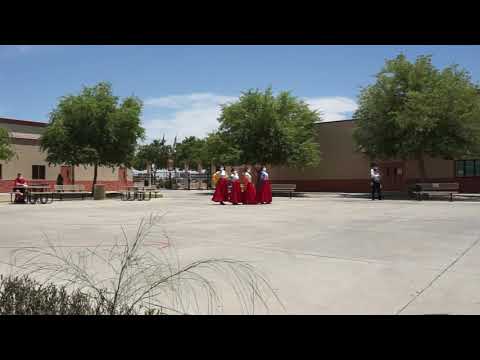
<point>242,191</point>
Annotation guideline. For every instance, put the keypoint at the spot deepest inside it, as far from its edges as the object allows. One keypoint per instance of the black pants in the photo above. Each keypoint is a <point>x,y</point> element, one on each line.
<point>21,196</point>
<point>376,188</point>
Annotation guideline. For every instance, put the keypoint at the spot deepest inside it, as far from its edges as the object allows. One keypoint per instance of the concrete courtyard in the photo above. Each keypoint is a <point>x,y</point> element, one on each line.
<point>323,253</point>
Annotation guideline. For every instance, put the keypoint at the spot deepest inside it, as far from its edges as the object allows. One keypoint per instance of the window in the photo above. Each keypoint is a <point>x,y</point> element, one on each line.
<point>38,172</point>
<point>467,168</point>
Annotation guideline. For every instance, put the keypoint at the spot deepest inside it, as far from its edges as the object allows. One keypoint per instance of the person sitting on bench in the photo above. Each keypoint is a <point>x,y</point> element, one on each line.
<point>20,188</point>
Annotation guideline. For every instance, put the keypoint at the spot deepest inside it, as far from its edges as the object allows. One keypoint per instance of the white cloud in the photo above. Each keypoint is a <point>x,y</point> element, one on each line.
<point>333,108</point>
<point>195,101</point>
<point>183,115</point>
<point>196,114</point>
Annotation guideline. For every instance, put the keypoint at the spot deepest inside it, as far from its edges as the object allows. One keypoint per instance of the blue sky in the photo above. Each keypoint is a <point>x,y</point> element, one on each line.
<point>182,86</point>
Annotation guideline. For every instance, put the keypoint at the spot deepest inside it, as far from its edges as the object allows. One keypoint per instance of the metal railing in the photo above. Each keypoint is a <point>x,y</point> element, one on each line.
<point>176,179</point>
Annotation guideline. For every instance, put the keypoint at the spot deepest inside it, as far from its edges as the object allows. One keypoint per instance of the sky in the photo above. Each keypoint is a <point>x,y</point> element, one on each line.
<point>182,87</point>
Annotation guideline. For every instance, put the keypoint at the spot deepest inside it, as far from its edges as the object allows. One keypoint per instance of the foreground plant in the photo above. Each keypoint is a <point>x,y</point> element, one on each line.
<point>144,281</point>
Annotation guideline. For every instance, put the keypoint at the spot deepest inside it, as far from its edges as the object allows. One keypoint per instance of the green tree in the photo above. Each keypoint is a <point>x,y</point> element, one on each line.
<point>93,128</point>
<point>219,151</point>
<point>6,149</point>
<point>268,129</point>
<point>153,156</point>
<point>414,110</point>
<point>191,152</point>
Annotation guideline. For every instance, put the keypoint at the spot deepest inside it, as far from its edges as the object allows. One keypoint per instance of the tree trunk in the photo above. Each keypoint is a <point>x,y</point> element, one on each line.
<point>73,175</point>
<point>95,173</point>
<point>149,173</point>
<point>421,168</point>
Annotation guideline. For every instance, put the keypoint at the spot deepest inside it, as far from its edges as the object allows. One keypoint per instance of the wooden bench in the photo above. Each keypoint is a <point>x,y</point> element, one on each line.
<point>284,188</point>
<point>34,194</point>
<point>436,189</point>
<point>71,190</point>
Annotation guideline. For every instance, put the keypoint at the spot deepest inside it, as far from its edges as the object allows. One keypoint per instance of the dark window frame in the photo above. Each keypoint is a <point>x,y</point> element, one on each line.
<point>37,171</point>
<point>463,167</point>
<point>1,171</point>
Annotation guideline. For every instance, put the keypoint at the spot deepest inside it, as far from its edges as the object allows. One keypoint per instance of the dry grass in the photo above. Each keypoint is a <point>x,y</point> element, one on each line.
<point>132,278</point>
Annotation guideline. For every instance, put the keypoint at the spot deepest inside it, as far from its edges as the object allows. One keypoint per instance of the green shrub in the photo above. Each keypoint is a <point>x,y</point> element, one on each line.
<point>24,296</point>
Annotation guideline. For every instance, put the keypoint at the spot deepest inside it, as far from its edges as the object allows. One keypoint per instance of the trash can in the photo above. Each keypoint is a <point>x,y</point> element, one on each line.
<point>99,192</point>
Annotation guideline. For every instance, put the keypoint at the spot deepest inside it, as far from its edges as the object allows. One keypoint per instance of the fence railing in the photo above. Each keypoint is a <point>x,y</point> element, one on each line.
<point>180,180</point>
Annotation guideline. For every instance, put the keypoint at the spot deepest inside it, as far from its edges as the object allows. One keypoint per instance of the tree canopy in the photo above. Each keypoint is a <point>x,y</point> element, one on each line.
<point>267,129</point>
<point>6,149</point>
<point>218,150</point>
<point>155,154</point>
<point>93,128</point>
<point>192,152</point>
<point>414,109</point>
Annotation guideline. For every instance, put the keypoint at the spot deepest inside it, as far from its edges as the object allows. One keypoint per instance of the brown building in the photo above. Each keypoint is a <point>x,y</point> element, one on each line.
<point>343,169</point>
<point>30,161</point>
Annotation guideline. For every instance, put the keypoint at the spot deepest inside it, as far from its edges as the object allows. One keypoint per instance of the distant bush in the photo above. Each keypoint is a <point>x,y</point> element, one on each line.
<point>24,296</point>
<point>21,295</point>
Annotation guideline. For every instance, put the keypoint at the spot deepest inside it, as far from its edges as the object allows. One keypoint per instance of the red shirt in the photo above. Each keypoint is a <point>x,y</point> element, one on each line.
<point>20,181</point>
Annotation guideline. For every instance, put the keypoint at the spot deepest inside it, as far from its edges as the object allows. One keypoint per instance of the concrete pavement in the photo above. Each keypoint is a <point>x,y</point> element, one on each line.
<point>328,254</point>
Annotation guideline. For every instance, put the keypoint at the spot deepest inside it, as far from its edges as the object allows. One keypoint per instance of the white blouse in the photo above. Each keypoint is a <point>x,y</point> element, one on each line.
<point>248,176</point>
<point>234,176</point>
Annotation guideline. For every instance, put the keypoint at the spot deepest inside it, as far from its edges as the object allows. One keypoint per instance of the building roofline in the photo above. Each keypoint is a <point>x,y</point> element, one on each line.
<point>335,121</point>
<point>22,122</point>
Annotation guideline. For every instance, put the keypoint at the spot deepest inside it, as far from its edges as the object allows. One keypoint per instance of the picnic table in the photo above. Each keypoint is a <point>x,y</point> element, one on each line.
<point>35,193</point>
<point>137,193</point>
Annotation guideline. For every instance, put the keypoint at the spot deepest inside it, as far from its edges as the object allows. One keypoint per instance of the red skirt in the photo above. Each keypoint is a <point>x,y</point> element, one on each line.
<point>235,195</point>
<point>249,195</point>
<point>221,191</point>
<point>264,195</point>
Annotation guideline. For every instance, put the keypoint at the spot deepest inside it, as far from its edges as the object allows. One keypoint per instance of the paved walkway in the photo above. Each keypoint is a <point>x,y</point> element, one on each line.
<point>323,255</point>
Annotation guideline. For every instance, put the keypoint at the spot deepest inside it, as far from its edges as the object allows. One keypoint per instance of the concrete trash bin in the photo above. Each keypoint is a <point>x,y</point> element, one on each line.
<point>99,192</point>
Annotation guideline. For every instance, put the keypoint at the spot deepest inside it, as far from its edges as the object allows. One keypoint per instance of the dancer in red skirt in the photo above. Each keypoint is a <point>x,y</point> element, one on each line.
<point>264,194</point>
<point>249,195</point>
<point>236,192</point>
<point>221,190</point>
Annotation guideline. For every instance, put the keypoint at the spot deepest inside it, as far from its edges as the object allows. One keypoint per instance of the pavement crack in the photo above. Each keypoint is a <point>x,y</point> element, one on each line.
<point>429,285</point>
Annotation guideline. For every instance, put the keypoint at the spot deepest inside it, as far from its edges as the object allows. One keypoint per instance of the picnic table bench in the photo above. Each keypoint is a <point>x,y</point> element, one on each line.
<point>284,188</point>
<point>71,191</point>
<point>436,189</point>
<point>139,193</point>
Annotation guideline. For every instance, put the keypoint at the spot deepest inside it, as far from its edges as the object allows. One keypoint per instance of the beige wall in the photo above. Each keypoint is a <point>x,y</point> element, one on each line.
<point>339,160</point>
<point>434,168</point>
<point>28,155</point>
<point>22,128</point>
